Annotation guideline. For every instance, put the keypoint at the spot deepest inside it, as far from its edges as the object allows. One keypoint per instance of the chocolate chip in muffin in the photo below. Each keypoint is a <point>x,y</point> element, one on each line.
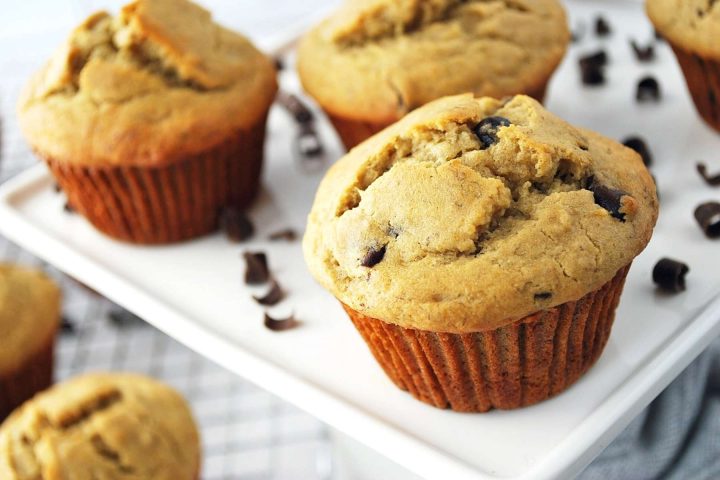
<point>256,268</point>
<point>273,296</point>
<point>488,128</point>
<point>648,90</point>
<point>712,180</point>
<point>602,26</point>
<point>643,54</point>
<point>639,145</point>
<point>287,234</point>
<point>236,225</point>
<point>669,275</point>
<point>608,198</point>
<point>543,296</point>
<point>708,217</point>
<point>280,324</point>
<point>373,256</point>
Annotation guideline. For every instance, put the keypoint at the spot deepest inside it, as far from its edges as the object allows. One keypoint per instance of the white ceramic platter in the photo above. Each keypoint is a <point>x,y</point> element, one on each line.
<point>195,293</point>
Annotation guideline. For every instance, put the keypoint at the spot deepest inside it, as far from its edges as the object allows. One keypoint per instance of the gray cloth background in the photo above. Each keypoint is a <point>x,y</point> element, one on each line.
<point>677,437</point>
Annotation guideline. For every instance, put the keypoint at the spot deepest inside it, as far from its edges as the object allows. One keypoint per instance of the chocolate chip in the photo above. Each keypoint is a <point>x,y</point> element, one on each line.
<point>712,180</point>
<point>648,90</point>
<point>67,326</point>
<point>669,275</point>
<point>602,27</point>
<point>543,296</point>
<point>708,217</point>
<point>487,130</point>
<point>592,76</point>
<point>280,324</point>
<point>639,145</point>
<point>256,268</point>
<point>599,58</point>
<point>643,54</point>
<point>608,198</point>
<point>373,256</point>
<point>274,295</point>
<point>300,112</point>
<point>124,319</point>
<point>592,67</point>
<point>286,234</point>
<point>236,225</point>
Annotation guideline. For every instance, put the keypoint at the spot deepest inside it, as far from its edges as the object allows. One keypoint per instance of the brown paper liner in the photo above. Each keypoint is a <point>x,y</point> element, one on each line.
<point>352,132</point>
<point>32,377</point>
<point>513,366</point>
<point>703,81</point>
<point>170,203</point>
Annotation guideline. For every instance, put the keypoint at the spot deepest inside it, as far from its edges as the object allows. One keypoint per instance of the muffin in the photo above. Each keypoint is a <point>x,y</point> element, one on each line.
<point>101,426</point>
<point>480,247</point>
<point>29,321</point>
<point>376,60</point>
<point>692,27</point>
<point>152,121</point>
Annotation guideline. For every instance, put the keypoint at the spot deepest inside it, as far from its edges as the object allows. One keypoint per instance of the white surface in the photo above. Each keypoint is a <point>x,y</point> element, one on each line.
<point>195,293</point>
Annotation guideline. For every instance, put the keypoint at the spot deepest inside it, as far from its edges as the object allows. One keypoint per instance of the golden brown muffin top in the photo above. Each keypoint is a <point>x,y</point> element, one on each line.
<point>470,213</point>
<point>375,60</point>
<point>29,314</point>
<point>101,426</point>
<point>693,25</point>
<point>156,83</point>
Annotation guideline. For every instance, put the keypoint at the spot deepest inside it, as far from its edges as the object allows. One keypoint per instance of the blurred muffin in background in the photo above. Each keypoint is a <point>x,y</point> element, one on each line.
<point>153,120</point>
<point>375,60</point>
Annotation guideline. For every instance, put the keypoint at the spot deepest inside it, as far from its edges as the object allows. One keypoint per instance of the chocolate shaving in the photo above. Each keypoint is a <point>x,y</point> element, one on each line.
<point>608,198</point>
<point>124,319</point>
<point>639,145</point>
<point>648,90</point>
<point>373,256</point>
<point>669,275</point>
<point>487,130</point>
<point>67,326</point>
<point>274,295</point>
<point>256,268</point>
<point>602,27</point>
<point>236,225</point>
<point>543,296</point>
<point>643,54</point>
<point>708,217</point>
<point>280,324</point>
<point>712,180</point>
<point>287,234</point>
<point>300,112</point>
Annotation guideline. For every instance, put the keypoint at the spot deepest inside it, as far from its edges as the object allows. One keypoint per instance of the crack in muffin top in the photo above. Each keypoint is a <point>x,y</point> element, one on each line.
<point>382,58</point>
<point>161,65</point>
<point>691,24</point>
<point>469,227</point>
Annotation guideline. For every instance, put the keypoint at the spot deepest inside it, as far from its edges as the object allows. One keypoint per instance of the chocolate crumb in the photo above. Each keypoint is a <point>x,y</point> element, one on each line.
<point>487,130</point>
<point>373,256</point>
<point>543,296</point>
<point>236,225</point>
<point>648,90</point>
<point>643,54</point>
<point>669,275</point>
<point>639,145</point>
<point>256,268</point>
<point>274,295</point>
<point>608,198</point>
<point>292,103</point>
<point>712,180</point>
<point>708,217</point>
<point>280,324</point>
<point>123,318</point>
<point>67,326</point>
<point>602,26</point>
<point>286,234</point>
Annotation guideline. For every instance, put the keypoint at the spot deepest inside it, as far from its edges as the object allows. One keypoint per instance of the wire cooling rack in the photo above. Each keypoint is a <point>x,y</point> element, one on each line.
<point>247,433</point>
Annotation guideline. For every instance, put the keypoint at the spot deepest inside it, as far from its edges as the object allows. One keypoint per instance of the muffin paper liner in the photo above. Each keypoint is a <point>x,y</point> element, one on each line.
<point>703,81</point>
<point>353,132</point>
<point>32,377</point>
<point>513,366</point>
<point>170,203</point>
